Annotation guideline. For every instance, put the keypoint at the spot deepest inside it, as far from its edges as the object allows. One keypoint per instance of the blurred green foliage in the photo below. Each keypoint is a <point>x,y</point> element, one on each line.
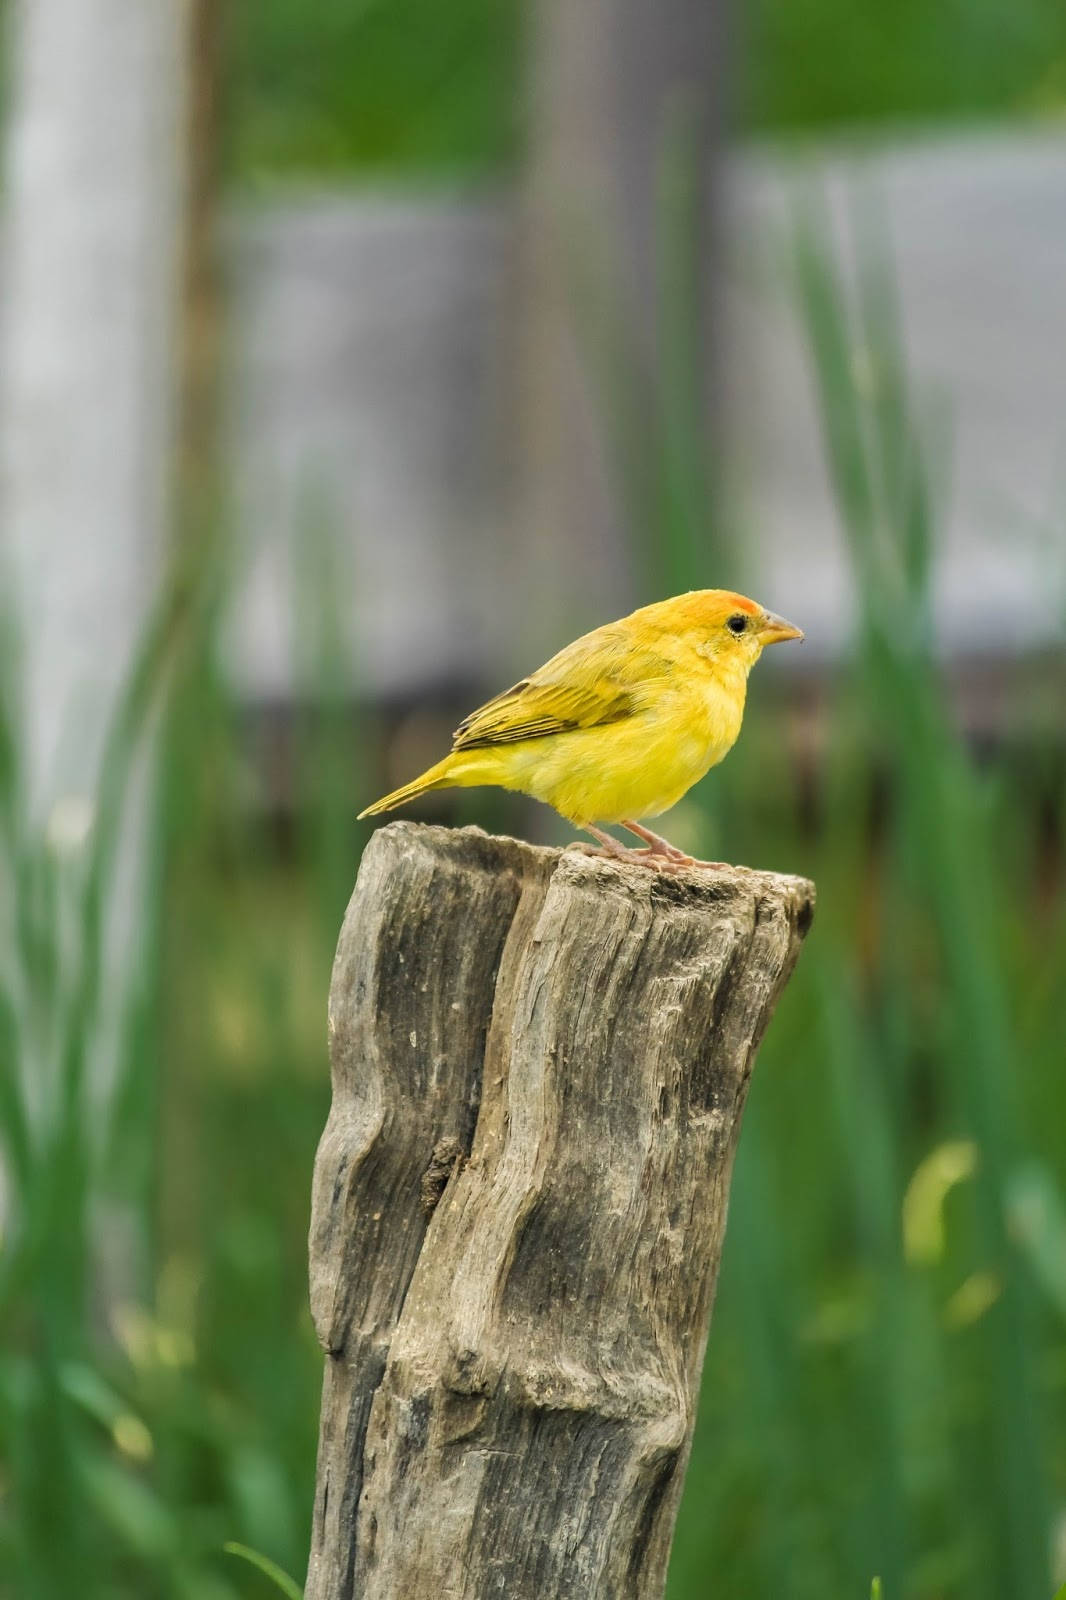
<point>818,64</point>
<point>402,87</point>
<point>158,1372</point>
<point>376,85</point>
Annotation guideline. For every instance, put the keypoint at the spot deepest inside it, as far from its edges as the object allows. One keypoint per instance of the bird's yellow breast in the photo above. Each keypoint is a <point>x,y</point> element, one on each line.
<point>637,767</point>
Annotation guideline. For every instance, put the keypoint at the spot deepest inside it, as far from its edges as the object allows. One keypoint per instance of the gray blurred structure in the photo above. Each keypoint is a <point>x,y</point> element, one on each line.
<point>627,105</point>
<point>374,389</point>
<point>369,399</point>
<point>374,377</point>
<point>977,228</point>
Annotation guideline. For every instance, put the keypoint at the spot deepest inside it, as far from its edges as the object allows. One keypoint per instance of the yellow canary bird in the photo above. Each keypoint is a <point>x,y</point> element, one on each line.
<point>620,724</point>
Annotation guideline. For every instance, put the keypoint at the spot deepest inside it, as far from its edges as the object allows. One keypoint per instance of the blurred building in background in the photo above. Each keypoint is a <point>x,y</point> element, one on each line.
<point>436,380</point>
<point>361,320</point>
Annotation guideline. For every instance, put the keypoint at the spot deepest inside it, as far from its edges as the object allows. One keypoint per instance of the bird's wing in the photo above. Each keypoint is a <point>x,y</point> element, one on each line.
<point>578,688</point>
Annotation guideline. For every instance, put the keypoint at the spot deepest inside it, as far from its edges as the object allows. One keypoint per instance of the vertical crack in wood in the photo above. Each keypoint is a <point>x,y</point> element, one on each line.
<point>410,1006</point>
<point>512,1379</point>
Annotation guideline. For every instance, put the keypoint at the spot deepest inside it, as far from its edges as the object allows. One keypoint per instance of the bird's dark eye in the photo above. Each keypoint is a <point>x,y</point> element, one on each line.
<point>737,623</point>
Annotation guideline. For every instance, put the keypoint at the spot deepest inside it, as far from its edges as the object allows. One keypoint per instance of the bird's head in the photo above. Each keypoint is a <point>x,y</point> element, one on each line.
<point>729,628</point>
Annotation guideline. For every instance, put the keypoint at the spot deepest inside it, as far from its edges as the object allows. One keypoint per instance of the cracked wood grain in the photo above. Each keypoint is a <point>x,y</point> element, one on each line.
<point>540,1060</point>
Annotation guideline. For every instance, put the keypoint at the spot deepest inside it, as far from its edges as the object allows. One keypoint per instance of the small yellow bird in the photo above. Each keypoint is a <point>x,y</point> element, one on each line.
<point>620,724</point>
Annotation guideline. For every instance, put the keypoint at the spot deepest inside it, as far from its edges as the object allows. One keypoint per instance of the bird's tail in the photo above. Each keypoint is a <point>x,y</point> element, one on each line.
<point>455,770</point>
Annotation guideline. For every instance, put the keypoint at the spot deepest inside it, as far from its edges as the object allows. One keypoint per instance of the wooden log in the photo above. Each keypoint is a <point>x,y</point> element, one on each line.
<point>540,1059</point>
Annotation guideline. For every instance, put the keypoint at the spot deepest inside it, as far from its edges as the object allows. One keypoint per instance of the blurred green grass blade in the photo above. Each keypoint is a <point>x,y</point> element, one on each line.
<point>900,475</point>
<point>328,740</point>
<point>172,621</point>
<point>89,1390</point>
<point>14,1119</point>
<point>692,543</point>
<point>825,312</point>
<point>791,1450</point>
<point>649,373</point>
<point>11,799</point>
<point>1038,1223</point>
<point>866,1128</point>
<point>139,1517</point>
<point>44,1501</point>
<point>879,477</point>
<point>281,1580</point>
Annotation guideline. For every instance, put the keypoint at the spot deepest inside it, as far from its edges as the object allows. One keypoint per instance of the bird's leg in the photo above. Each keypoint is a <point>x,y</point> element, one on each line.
<point>610,845</point>
<point>658,860</point>
<point>657,845</point>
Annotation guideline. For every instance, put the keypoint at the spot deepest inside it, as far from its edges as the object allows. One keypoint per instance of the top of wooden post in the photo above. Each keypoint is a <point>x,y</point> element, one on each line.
<point>475,849</point>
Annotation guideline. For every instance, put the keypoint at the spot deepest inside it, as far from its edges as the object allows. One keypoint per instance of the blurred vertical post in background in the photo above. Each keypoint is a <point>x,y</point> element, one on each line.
<point>627,106</point>
<point>200,328</point>
<point>93,211</point>
<point>92,215</point>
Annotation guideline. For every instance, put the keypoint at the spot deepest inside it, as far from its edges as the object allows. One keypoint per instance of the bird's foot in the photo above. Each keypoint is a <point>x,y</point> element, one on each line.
<point>659,861</point>
<point>655,860</point>
<point>660,849</point>
<point>635,858</point>
<point>657,847</point>
<point>660,856</point>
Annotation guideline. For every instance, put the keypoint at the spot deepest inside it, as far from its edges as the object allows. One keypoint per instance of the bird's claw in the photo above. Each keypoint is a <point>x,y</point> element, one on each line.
<point>658,854</point>
<point>671,853</point>
<point>657,860</point>
<point>653,859</point>
<point>678,862</point>
<point>641,858</point>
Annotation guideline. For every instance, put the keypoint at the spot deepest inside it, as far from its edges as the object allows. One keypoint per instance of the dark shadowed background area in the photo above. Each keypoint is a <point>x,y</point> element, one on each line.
<point>355,357</point>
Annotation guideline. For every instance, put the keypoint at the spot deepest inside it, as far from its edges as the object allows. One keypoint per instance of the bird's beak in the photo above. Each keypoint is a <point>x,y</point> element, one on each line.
<point>775,630</point>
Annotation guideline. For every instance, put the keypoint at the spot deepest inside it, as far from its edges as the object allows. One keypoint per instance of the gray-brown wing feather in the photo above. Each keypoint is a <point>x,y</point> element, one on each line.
<point>573,690</point>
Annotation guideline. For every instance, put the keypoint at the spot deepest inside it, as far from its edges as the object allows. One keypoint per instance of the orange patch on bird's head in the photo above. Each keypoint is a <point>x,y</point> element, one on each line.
<point>727,628</point>
<point>723,603</point>
<point>708,608</point>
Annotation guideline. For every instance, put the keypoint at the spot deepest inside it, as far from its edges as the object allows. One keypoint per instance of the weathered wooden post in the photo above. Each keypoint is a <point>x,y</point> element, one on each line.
<point>540,1059</point>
